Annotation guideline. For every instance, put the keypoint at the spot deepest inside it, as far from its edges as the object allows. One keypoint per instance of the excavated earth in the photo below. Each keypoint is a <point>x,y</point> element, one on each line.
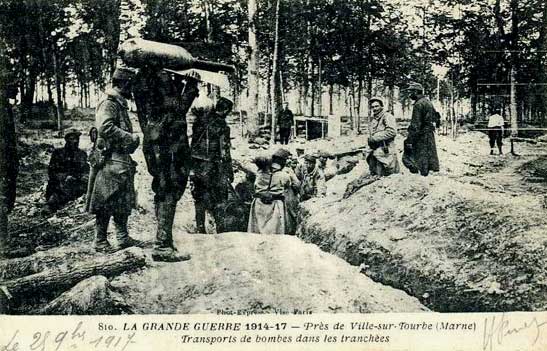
<point>250,273</point>
<point>470,238</point>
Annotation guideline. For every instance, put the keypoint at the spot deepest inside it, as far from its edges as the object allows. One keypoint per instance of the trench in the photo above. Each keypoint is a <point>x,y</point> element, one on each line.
<point>439,291</point>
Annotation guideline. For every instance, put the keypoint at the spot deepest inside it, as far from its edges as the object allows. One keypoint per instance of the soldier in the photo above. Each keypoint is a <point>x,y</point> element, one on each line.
<point>211,162</point>
<point>68,173</point>
<point>285,121</point>
<point>112,193</point>
<point>420,142</point>
<point>162,103</point>
<point>312,179</point>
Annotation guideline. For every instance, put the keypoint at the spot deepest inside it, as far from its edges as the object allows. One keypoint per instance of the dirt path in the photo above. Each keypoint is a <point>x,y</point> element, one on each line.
<point>256,274</point>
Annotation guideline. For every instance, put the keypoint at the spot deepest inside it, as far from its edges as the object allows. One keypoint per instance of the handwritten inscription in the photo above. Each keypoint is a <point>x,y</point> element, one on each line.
<point>74,339</point>
<point>497,329</point>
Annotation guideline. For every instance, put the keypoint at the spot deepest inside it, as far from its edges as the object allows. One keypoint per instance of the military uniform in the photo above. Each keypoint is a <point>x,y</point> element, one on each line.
<point>420,143</point>
<point>113,193</point>
<point>68,172</point>
<point>312,183</point>
<point>211,166</point>
<point>382,159</point>
<point>285,121</point>
<point>162,115</point>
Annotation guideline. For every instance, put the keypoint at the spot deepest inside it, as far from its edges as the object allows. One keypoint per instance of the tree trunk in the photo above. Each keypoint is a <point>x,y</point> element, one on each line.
<point>4,153</point>
<point>331,93</point>
<point>49,280</point>
<point>274,81</point>
<point>252,72</point>
<point>60,112</point>
<point>91,296</point>
<point>320,89</point>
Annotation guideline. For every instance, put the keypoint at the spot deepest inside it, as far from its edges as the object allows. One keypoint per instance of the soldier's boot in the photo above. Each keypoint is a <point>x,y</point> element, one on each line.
<point>219,214</point>
<point>124,240</point>
<point>164,249</point>
<point>200,217</point>
<point>101,243</point>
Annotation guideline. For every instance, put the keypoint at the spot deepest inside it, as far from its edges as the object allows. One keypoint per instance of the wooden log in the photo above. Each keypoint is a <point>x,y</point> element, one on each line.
<point>90,296</point>
<point>51,279</point>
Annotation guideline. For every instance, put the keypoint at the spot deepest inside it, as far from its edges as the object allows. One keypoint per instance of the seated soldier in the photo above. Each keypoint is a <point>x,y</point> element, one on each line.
<point>68,173</point>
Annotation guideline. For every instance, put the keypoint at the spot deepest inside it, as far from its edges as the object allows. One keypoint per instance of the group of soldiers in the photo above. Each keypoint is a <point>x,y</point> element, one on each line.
<point>162,100</point>
<point>267,201</point>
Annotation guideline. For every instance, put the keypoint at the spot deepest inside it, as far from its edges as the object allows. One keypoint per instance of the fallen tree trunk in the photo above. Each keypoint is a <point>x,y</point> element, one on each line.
<point>51,280</point>
<point>88,297</point>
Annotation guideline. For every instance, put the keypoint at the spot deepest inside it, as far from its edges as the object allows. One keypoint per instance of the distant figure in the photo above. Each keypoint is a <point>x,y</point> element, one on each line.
<point>268,213</point>
<point>495,131</point>
<point>312,179</point>
<point>68,173</point>
<point>420,143</point>
<point>211,163</point>
<point>285,121</point>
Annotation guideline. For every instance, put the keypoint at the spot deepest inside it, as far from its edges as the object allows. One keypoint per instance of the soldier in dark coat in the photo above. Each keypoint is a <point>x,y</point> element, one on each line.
<point>285,121</point>
<point>162,104</point>
<point>112,193</point>
<point>68,173</point>
<point>211,163</point>
<point>420,143</point>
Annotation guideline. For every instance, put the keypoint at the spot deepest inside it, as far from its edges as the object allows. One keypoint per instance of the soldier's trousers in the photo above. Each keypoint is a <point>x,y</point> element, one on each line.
<point>165,215</point>
<point>216,210</point>
<point>102,219</point>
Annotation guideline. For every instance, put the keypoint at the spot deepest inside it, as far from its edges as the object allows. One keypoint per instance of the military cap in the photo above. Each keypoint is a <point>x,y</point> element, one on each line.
<point>224,103</point>
<point>282,153</point>
<point>310,157</point>
<point>123,73</point>
<point>72,131</point>
<point>378,99</point>
<point>415,86</point>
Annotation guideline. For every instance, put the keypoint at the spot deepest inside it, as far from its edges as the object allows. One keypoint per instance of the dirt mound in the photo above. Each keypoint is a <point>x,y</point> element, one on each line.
<point>454,245</point>
<point>256,274</point>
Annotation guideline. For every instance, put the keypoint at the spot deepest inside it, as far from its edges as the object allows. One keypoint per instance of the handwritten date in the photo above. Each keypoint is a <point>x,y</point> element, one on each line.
<point>68,339</point>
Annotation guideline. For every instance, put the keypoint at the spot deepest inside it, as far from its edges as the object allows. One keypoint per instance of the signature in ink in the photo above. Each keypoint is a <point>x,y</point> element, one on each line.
<point>496,329</point>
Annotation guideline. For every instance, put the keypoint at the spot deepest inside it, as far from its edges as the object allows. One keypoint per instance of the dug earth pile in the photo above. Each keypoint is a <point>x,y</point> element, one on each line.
<point>465,239</point>
<point>248,273</point>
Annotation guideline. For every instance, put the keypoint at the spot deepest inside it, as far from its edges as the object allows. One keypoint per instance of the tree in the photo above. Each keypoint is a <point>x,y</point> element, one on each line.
<point>252,72</point>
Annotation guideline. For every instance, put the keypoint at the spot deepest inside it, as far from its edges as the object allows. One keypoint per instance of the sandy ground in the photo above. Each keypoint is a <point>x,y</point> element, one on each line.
<point>256,273</point>
<point>472,237</point>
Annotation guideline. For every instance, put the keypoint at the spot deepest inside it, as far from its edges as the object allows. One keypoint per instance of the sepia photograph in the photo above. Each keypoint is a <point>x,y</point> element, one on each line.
<point>274,157</point>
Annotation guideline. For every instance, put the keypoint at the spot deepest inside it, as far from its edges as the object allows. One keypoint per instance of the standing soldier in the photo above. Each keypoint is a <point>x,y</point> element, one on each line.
<point>421,137</point>
<point>285,121</point>
<point>112,193</point>
<point>162,103</point>
<point>211,162</point>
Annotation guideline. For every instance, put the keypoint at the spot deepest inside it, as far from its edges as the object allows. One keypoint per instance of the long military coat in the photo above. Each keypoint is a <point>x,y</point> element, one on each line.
<point>113,190</point>
<point>421,136</point>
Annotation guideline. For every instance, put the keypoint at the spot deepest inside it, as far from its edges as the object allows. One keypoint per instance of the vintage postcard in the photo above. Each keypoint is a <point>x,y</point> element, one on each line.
<point>273,174</point>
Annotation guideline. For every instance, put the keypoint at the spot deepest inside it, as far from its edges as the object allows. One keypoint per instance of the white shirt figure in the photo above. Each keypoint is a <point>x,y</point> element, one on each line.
<point>495,121</point>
